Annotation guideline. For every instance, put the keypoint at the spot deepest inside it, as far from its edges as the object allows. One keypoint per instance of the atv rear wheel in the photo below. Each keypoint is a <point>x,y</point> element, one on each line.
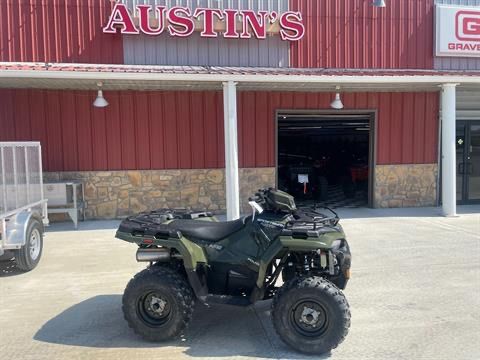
<point>158,304</point>
<point>311,315</point>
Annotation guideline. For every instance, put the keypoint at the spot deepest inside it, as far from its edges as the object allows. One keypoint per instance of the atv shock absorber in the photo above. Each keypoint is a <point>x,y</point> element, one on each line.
<point>331,263</point>
<point>306,265</point>
<point>278,270</point>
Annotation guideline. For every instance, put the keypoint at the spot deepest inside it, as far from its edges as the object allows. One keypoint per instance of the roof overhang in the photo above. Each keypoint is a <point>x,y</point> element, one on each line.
<point>136,77</point>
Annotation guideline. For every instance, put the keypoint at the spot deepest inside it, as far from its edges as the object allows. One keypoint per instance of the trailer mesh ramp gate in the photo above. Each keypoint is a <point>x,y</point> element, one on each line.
<point>21,184</point>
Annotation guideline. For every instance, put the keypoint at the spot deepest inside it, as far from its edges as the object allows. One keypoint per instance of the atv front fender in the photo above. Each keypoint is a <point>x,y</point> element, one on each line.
<point>290,244</point>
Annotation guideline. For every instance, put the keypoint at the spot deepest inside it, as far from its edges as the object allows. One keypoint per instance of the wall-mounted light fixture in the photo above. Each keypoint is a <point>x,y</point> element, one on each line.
<point>100,101</point>
<point>337,104</point>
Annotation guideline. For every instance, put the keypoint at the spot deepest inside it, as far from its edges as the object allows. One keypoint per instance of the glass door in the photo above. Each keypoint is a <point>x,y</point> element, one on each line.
<point>461,139</point>
<point>468,162</point>
<point>473,163</point>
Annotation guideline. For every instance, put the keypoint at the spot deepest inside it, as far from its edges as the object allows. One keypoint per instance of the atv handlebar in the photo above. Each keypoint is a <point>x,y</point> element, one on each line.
<point>302,214</point>
<point>260,196</point>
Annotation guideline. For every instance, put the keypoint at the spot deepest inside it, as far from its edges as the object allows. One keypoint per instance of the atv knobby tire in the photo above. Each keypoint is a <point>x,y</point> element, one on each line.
<point>28,257</point>
<point>311,315</point>
<point>158,303</point>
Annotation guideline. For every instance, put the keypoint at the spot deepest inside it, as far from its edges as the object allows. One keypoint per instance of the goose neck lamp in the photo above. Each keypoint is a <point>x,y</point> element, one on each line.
<point>100,101</point>
<point>337,103</point>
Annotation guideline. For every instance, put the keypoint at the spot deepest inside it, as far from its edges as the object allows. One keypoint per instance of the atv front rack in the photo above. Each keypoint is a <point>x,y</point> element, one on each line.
<point>311,218</point>
<point>308,222</point>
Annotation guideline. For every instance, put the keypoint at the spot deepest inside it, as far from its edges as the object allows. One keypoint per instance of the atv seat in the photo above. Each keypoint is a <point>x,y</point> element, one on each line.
<point>206,230</point>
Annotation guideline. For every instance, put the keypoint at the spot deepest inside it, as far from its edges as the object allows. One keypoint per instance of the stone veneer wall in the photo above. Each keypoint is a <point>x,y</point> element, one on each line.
<point>116,194</point>
<point>406,185</point>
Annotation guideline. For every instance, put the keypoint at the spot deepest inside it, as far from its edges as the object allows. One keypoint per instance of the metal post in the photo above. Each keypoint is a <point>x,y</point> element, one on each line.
<point>449,189</point>
<point>231,150</point>
<point>40,179</point>
<point>27,173</point>
<point>15,175</point>
<point>4,182</point>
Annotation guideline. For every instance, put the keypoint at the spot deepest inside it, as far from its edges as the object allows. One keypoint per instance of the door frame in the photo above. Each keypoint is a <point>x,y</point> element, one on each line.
<point>465,177</point>
<point>371,114</point>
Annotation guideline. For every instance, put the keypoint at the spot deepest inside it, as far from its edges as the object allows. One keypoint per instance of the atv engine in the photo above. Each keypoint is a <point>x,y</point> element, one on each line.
<point>333,265</point>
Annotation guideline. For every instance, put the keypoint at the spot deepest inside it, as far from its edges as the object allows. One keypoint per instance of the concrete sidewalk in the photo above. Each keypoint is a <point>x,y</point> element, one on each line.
<point>415,294</point>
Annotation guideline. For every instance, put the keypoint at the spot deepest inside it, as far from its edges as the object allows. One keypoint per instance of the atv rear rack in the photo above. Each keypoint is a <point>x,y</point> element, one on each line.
<point>161,215</point>
<point>153,223</point>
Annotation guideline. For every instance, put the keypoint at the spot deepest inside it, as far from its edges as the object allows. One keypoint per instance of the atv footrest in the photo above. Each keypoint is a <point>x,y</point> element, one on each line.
<point>228,300</point>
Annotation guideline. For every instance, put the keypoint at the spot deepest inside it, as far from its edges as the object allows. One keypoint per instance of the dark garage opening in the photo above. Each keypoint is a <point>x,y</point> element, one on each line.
<point>325,159</point>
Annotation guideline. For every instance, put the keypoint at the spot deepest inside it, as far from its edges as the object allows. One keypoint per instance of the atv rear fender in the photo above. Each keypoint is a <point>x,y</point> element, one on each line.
<point>192,254</point>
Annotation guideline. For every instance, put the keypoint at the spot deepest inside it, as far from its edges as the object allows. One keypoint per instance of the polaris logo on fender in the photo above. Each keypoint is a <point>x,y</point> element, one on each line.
<point>270,224</point>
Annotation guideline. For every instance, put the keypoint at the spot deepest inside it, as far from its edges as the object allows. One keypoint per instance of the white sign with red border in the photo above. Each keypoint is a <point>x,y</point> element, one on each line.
<point>458,31</point>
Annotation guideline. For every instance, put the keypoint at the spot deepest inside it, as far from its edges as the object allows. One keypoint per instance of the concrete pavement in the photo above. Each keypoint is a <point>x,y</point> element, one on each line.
<point>415,294</point>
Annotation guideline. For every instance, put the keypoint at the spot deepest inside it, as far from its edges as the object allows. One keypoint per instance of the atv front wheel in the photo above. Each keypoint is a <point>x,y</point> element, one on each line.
<point>158,304</point>
<point>311,315</point>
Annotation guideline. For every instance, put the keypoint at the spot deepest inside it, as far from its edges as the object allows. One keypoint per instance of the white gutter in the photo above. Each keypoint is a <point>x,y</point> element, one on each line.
<point>220,78</point>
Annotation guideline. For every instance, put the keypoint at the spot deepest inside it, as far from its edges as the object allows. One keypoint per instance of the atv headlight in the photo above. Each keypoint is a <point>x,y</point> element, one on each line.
<point>337,244</point>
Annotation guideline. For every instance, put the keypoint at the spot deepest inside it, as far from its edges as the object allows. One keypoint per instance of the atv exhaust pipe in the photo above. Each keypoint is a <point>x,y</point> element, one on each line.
<point>153,255</point>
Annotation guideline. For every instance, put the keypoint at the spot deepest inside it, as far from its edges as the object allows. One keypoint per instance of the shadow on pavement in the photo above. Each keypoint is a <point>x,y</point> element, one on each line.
<point>468,210</point>
<point>96,322</point>
<point>428,212</point>
<point>8,268</point>
<point>89,225</point>
<point>367,213</point>
<point>216,331</point>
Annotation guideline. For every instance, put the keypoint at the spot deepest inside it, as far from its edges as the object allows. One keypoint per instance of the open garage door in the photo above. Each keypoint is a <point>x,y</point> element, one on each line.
<point>326,158</point>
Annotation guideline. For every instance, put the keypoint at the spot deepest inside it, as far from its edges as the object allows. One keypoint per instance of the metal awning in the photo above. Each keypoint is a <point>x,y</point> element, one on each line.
<point>231,80</point>
<point>139,77</point>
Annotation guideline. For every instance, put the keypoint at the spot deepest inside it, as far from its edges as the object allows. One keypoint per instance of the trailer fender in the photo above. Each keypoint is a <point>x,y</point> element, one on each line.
<point>17,228</point>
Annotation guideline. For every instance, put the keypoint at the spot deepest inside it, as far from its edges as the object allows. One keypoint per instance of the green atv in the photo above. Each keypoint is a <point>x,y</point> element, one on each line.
<point>193,256</point>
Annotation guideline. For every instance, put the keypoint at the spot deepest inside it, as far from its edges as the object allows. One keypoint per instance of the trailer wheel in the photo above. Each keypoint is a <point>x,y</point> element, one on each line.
<point>28,257</point>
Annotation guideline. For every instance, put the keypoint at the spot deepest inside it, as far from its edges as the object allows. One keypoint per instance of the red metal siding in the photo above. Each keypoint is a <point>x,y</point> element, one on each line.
<point>184,130</point>
<point>407,123</point>
<point>213,133</point>
<point>83,109</point>
<point>138,130</point>
<point>354,34</point>
<point>69,132</point>
<point>58,31</point>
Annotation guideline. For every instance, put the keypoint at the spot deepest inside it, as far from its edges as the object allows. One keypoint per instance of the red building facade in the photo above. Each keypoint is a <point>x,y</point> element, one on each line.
<point>161,141</point>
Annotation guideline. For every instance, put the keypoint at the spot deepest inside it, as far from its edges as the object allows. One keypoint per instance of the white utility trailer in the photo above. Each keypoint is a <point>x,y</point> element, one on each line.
<point>23,209</point>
